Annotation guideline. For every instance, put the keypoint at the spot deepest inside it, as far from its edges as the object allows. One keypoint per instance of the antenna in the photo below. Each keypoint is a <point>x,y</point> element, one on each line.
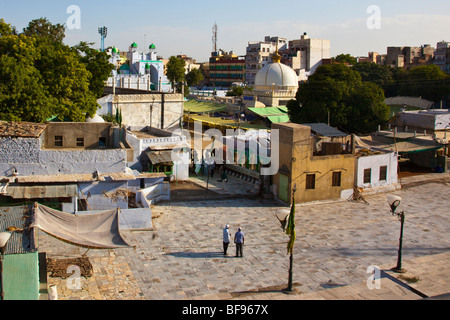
<point>214,38</point>
<point>103,31</point>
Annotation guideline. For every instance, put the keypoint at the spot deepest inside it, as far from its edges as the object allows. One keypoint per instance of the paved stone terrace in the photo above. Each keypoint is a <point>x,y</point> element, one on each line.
<point>336,242</point>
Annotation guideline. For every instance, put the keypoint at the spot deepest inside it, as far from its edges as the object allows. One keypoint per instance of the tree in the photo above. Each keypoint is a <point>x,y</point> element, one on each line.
<point>45,30</point>
<point>176,72</point>
<point>194,77</point>
<point>428,82</point>
<point>336,92</point>
<point>41,77</point>
<point>235,92</point>
<point>97,63</point>
<point>375,73</point>
<point>345,58</point>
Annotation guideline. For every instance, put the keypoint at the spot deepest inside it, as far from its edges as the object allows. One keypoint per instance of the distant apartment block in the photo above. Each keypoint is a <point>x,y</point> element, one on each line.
<point>306,54</point>
<point>259,54</point>
<point>226,68</point>
<point>303,55</point>
<point>442,56</point>
<point>407,57</point>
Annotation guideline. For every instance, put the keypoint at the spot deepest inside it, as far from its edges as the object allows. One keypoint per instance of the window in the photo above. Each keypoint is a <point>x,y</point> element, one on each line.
<point>310,181</point>
<point>80,142</point>
<point>58,141</point>
<point>336,179</point>
<point>383,173</point>
<point>367,175</point>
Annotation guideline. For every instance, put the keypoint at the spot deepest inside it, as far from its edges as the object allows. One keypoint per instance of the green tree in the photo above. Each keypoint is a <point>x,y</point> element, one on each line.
<point>235,92</point>
<point>428,82</point>
<point>194,77</point>
<point>336,92</point>
<point>44,30</point>
<point>97,63</point>
<point>41,77</point>
<point>6,29</point>
<point>375,73</point>
<point>176,72</point>
<point>345,58</point>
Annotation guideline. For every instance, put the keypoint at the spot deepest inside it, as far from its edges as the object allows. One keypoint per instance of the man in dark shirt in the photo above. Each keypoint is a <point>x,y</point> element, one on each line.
<point>239,241</point>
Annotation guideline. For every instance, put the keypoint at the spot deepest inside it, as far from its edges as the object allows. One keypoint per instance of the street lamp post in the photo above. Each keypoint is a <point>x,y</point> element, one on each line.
<point>4,237</point>
<point>394,202</point>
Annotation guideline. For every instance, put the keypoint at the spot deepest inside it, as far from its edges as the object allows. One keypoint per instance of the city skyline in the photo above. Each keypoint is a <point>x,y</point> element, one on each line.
<point>179,28</point>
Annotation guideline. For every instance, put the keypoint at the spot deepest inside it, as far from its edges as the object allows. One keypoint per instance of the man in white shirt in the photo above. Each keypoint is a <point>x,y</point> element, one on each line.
<point>226,239</point>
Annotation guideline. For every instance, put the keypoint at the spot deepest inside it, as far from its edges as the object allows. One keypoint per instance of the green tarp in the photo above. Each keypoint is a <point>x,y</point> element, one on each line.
<point>279,119</point>
<point>274,114</point>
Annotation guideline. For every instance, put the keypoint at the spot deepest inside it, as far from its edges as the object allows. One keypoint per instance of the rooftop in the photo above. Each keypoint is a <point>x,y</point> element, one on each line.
<point>17,220</point>
<point>21,129</point>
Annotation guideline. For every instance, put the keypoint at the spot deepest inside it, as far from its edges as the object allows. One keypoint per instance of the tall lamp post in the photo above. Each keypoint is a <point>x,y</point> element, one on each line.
<point>4,237</point>
<point>394,202</point>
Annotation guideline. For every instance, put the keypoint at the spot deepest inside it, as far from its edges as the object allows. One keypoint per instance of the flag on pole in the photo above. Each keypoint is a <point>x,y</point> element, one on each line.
<point>290,230</point>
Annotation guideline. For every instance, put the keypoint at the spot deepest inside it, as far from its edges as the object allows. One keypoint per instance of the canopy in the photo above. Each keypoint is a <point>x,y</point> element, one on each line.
<point>97,230</point>
<point>274,114</point>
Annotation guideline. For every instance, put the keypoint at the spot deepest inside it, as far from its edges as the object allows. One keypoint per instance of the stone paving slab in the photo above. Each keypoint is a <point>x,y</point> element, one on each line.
<point>336,243</point>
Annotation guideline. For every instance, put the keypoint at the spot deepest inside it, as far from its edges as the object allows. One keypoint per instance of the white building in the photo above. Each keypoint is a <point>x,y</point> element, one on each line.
<point>309,53</point>
<point>435,121</point>
<point>376,171</point>
<point>259,54</point>
<point>143,71</point>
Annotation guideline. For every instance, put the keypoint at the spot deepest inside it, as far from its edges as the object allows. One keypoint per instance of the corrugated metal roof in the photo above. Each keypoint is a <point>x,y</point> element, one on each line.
<point>39,192</point>
<point>325,130</point>
<point>160,156</point>
<point>16,221</point>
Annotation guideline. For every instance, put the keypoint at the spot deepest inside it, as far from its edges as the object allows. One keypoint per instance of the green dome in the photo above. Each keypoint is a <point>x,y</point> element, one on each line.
<point>134,45</point>
<point>114,50</point>
<point>147,66</point>
<point>152,46</point>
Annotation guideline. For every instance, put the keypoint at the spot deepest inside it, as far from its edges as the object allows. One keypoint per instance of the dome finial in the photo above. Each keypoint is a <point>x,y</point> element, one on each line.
<point>276,57</point>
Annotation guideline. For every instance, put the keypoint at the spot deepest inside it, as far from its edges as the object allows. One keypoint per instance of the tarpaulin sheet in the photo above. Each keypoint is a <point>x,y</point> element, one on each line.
<point>98,230</point>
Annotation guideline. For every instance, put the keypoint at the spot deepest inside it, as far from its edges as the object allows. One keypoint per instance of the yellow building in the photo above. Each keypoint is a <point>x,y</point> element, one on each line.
<point>321,165</point>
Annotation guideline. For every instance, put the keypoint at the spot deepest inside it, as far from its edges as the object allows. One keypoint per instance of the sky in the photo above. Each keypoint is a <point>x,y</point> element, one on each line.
<point>185,27</point>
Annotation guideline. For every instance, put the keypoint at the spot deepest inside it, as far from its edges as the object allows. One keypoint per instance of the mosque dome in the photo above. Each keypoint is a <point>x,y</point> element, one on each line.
<point>276,75</point>
<point>114,50</point>
<point>95,119</point>
<point>152,46</point>
<point>134,45</point>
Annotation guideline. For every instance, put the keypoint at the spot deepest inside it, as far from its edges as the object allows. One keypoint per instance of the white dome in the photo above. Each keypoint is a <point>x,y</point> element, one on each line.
<point>95,119</point>
<point>276,74</point>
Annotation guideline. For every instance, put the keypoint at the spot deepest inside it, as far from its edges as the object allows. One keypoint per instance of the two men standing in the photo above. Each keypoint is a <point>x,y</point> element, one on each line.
<point>238,240</point>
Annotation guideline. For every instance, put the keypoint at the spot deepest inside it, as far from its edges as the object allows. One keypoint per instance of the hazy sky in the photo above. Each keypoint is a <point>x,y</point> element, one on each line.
<point>185,27</point>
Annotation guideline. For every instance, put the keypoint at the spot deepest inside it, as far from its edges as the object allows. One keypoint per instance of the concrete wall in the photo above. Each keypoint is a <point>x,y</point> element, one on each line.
<point>104,195</point>
<point>153,194</point>
<point>70,131</point>
<point>157,110</point>
<point>25,155</point>
<point>374,162</point>
<point>438,119</point>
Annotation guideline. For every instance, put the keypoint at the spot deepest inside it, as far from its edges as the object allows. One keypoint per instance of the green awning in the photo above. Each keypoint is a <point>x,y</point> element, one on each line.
<point>279,119</point>
<point>269,111</point>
